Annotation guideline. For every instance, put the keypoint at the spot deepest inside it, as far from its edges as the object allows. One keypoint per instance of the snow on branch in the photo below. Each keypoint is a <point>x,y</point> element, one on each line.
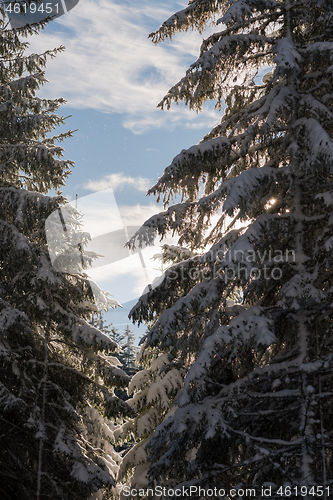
<point>300,289</point>
<point>172,320</point>
<point>136,456</point>
<point>34,152</point>
<point>214,156</point>
<point>9,402</point>
<point>234,191</point>
<point>195,15</point>
<point>316,108</point>
<point>216,70</point>
<point>12,319</point>
<point>286,59</point>
<point>187,418</point>
<point>250,326</point>
<point>236,248</point>
<point>159,390</point>
<point>87,470</point>
<point>45,273</point>
<point>242,10</point>
<point>320,144</point>
<point>15,241</point>
<point>113,375</point>
<point>227,46</point>
<point>273,107</point>
<point>83,333</point>
<point>182,169</point>
<point>160,224</point>
<point>19,204</point>
<point>243,248</point>
<point>322,49</point>
<point>239,10</point>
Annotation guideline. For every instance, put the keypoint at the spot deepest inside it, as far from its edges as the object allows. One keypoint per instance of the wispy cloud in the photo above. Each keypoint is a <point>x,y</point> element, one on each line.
<point>127,278</point>
<point>110,65</point>
<point>118,181</point>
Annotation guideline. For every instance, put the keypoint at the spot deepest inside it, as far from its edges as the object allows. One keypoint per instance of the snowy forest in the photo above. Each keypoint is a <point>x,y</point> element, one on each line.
<point>231,395</point>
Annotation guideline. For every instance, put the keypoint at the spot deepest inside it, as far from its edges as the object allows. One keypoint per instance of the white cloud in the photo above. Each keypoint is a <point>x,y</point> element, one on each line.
<point>118,181</point>
<point>100,213</point>
<point>111,66</point>
<point>128,277</point>
<point>136,215</point>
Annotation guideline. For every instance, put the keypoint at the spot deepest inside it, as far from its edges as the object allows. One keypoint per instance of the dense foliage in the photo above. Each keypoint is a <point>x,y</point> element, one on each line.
<point>256,208</point>
<point>56,381</point>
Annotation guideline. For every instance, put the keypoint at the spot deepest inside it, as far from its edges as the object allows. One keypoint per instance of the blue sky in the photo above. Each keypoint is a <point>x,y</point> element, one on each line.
<point>112,77</point>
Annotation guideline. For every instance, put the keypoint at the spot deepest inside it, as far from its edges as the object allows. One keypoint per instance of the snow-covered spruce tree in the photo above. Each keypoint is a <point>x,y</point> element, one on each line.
<point>56,383</point>
<point>130,351</point>
<point>153,391</point>
<point>257,404</point>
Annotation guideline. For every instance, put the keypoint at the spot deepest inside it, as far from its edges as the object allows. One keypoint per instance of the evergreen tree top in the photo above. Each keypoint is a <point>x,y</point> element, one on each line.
<point>255,116</point>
